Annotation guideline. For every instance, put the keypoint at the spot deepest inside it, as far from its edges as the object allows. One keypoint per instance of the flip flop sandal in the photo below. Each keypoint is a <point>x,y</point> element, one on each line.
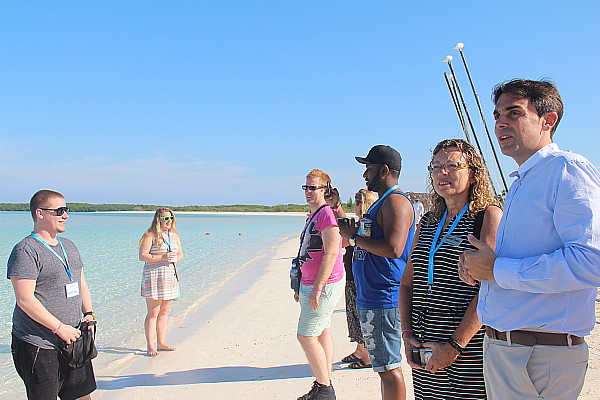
<point>350,358</point>
<point>359,365</point>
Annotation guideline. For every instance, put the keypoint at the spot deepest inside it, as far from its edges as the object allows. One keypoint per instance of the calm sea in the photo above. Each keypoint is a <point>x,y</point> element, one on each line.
<point>215,247</point>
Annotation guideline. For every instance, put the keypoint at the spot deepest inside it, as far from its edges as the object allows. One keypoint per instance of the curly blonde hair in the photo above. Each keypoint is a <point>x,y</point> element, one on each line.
<point>480,193</point>
<point>154,231</point>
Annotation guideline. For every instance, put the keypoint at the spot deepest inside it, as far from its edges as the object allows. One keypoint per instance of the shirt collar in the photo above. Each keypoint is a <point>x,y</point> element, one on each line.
<point>534,159</point>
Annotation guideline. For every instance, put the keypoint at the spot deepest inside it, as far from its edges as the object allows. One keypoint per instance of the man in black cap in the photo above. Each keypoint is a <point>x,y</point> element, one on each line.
<point>382,248</point>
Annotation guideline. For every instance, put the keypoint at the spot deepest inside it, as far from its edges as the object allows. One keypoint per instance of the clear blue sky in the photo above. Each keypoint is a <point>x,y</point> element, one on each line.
<point>223,102</point>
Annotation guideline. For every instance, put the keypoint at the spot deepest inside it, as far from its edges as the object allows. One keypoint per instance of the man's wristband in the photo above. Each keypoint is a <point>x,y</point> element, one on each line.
<point>455,344</point>
<point>93,314</point>
<point>407,330</point>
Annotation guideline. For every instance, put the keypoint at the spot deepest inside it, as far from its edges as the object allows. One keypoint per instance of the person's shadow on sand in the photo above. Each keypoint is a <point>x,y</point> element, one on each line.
<point>205,375</point>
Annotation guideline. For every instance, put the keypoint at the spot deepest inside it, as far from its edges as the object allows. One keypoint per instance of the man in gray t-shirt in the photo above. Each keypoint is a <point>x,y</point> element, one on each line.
<point>52,297</point>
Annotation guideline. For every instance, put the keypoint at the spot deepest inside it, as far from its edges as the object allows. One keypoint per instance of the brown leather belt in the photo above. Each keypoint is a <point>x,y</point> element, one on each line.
<point>531,338</point>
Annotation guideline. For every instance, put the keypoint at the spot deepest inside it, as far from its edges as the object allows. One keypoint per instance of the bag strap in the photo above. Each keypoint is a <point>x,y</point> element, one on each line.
<point>305,226</point>
<point>478,223</point>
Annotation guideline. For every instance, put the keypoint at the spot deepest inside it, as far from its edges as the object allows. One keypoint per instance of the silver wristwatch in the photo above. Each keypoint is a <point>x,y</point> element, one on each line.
<point>352,240</point>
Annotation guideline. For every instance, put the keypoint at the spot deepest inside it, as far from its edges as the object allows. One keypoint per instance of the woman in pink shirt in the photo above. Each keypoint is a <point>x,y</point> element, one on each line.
<point>321,286</point>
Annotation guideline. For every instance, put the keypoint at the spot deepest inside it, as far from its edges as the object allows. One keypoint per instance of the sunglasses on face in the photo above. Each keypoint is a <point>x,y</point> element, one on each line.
<point>59,211</point>
<point>167,218</point>
<point>312,188</point>
<point>451,166</point>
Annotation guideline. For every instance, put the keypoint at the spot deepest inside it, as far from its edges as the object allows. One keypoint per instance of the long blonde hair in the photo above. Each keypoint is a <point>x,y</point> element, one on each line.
<point>480,192</point>
<point>154,231</point>
<point>366,199</point>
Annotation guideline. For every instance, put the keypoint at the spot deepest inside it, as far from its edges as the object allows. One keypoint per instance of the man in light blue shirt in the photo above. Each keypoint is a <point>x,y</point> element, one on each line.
<point>538,289</point>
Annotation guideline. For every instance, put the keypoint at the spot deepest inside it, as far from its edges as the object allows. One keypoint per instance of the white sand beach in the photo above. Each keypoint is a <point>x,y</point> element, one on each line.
<point>241,344</point>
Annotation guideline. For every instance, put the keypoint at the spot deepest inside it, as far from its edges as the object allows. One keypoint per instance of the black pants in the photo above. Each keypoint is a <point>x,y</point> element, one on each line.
<point>47,375</point>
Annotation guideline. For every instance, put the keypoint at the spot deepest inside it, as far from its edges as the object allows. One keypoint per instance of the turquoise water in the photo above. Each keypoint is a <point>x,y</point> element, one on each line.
<point>108,243</point>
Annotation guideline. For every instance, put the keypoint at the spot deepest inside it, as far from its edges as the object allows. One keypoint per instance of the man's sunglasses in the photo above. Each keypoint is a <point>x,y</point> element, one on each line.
<point>312,188</point>
<point>167,218</point>
<point>59,211</point>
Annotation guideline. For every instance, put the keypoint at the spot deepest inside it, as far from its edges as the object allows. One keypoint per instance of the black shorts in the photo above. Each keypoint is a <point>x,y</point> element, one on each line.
<point>46,373</point>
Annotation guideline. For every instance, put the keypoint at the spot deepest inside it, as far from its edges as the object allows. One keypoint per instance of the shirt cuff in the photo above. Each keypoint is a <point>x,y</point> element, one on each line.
<point>506,272</point>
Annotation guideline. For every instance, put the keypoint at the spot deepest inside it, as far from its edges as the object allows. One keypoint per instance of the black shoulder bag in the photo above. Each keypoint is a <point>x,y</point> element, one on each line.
<point>83,350</point>
<point>296,271</point>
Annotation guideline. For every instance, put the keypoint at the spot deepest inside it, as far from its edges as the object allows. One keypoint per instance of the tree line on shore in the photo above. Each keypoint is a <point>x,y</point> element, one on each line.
<point>303,208</point>
<point>87,207</point>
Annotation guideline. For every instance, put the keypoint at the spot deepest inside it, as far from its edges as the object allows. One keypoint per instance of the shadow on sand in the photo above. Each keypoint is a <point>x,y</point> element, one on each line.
<point>205,375</point>
<point>119,350</point>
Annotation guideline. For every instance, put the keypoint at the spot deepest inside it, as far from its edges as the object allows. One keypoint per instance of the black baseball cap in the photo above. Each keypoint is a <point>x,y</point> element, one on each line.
<point>382,154</point>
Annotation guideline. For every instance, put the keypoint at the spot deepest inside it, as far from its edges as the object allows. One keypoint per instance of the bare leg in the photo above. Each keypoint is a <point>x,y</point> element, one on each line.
<point>317,359</point>
<point>326,342</point>
<point>150,325</point>
<point>161,325</point>
<point>87,397</point>
<point>362,353</point>
<point>392,385</point>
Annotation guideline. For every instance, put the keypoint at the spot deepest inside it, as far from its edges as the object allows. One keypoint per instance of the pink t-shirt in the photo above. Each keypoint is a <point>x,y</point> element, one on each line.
<point>312,249</point>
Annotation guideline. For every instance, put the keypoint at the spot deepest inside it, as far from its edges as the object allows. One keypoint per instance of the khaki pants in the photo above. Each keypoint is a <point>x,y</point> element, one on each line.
<point>538,372</point>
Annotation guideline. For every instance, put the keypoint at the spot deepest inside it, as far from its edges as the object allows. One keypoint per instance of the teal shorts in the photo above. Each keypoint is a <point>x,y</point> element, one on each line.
<point>314,322</point>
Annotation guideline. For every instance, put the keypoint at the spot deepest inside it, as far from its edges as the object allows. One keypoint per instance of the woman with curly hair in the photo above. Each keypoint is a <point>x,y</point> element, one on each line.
<point>160,248</point>
<point>438,310</point>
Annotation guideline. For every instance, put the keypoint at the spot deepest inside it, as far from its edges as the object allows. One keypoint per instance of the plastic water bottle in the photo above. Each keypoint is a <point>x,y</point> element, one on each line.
<point>365,226</point>
<point>294,278</point>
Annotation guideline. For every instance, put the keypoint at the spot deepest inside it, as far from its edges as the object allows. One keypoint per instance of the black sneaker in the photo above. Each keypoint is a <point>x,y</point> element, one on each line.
<point>319,392</point>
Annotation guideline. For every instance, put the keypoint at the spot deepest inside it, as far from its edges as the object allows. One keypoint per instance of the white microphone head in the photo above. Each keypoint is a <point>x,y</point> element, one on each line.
<point>459,46</point>
<point>448,59</point>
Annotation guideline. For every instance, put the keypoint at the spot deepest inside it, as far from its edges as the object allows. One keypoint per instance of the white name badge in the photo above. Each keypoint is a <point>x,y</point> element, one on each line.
<point>72,289</point>
<point>452,240</point>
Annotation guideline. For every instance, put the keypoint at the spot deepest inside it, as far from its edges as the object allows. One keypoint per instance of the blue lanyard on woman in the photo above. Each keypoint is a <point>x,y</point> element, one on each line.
<point>64,261</point>
<point>434,244</point>
<point>390,190</point>
<point>169,242</point>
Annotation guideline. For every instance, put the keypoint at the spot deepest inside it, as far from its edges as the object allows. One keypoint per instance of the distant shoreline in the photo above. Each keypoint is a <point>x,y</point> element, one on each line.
<point>113,207</point>
<point>291,213</point>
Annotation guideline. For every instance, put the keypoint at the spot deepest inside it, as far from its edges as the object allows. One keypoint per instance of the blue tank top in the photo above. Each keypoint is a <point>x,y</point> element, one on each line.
<point>378,278</point>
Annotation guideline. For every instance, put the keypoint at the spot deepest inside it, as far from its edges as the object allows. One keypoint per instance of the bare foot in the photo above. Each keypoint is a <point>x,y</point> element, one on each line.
<point>166,347</point>
<point>151,353</point>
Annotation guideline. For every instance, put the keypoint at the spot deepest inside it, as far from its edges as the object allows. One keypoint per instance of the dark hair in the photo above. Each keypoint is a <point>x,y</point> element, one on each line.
<point>40,200</point>
<point>480,192</point>
<point>542,94</point>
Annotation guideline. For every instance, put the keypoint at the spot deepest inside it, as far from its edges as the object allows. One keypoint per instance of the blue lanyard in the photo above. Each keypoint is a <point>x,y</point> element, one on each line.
<point>390,190</point>
<point>64,261</point>
<point>434,244</point>
<point>169,242</point>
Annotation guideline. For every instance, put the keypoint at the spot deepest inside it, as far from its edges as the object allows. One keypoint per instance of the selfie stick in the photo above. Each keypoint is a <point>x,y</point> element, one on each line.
<point>461,118</point>
<point>459,47</point>
<point>448,60</point>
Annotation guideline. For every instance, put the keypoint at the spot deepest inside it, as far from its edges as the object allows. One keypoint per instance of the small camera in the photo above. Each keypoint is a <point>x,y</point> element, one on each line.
<point>343,221</point>
<point>421,355</point>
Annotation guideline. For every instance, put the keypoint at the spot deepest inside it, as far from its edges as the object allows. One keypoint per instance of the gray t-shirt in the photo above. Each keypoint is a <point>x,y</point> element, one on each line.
<point>30,259</point>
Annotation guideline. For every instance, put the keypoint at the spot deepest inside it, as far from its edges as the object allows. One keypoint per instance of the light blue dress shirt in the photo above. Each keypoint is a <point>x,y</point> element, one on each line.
<point>548,247</point>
